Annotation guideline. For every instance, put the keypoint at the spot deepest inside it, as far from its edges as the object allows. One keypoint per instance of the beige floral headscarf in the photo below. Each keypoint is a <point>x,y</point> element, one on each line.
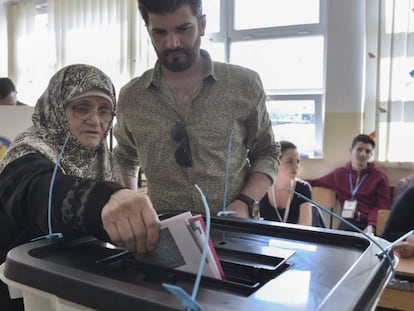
<point>50,128</point>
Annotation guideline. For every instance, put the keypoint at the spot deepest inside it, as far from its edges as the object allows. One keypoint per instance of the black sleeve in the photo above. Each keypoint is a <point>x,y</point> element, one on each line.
<point>76,202</point>
<point>401,219</point>
<point>304,188</point>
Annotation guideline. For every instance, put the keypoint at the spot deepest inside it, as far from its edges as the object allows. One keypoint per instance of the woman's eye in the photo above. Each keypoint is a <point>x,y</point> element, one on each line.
<point>82,109</point>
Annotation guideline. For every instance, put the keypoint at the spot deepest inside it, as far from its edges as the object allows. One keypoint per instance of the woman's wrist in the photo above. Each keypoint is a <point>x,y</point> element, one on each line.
<point>410,250</point>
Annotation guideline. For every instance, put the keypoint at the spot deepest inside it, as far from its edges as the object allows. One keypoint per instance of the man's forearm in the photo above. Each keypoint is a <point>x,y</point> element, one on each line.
<point>257,186</point>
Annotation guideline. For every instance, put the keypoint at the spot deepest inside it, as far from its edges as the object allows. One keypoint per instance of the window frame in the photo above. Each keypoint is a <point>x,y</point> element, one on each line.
<point>317,99</point>
<point>228,35</point>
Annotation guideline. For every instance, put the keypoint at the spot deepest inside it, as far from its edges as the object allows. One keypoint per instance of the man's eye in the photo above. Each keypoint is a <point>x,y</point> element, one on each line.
<point>158,32</point>
<point>184,29</point>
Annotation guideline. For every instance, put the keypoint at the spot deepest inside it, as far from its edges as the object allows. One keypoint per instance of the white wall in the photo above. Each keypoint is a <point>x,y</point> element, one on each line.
<point>345,72</point>
<point>345,56</point>
<point>10,127</point>
<point>3,40</point>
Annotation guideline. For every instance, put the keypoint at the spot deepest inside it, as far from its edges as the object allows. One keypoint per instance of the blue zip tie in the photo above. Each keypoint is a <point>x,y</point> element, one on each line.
<point>225,213</point>
<point>188,302</point>
<point>226,174</point>
<point>53,235</point>
<point>380,254</point>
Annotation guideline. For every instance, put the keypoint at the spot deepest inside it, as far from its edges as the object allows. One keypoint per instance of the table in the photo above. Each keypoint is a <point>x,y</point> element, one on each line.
<point>401,298</point>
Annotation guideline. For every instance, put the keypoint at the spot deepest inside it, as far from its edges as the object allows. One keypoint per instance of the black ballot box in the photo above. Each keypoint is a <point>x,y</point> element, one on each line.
<point>268,266</point>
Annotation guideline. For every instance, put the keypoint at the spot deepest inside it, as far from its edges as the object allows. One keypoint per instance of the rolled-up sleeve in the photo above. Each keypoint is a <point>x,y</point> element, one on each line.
<point>125,151</point>
<point>264,151</point>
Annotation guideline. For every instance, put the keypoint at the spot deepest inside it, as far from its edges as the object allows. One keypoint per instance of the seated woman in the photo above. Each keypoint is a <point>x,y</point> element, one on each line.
<point>401,221</point>
<point>71,119</point>
<point>281,203</point>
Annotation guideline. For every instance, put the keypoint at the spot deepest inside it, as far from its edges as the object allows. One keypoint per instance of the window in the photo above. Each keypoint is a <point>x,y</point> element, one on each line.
<point>294,116</point>
<point>99,33</point>
<point>286,46</point>
<point>30,29</point>
<point>389,110</point>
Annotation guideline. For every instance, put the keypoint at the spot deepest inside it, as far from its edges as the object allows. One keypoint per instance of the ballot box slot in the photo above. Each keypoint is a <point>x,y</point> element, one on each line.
<point>245,273</point>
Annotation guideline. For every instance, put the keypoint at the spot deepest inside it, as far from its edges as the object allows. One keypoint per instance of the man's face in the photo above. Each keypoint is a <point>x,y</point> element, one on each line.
<point>10,100</point>
<point>176,37</point>
<point>361,153</point>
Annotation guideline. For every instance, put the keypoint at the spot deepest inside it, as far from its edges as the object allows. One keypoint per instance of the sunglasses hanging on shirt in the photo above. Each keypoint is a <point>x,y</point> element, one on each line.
<point>183,153</point>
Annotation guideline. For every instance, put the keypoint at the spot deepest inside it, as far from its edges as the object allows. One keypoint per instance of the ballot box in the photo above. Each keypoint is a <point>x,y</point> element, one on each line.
<point>268,266</point>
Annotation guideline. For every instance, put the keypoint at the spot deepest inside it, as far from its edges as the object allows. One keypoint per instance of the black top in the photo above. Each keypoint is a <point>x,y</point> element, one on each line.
<point>24,192</point>
<point>401,219</point>
<point>267,211</point>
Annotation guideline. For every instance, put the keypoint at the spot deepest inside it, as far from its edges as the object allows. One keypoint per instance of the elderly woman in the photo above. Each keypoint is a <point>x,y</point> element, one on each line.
<point>71,121</point>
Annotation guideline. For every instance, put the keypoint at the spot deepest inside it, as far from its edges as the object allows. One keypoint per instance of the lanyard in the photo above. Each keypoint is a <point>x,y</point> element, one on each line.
<point>351,186</point>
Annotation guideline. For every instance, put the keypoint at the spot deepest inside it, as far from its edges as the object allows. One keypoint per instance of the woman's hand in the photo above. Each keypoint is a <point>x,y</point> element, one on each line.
<point>404,249</point>
<point>131,221</point>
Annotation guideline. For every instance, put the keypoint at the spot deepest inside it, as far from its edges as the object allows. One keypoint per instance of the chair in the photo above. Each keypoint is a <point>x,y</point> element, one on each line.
<point>317,218</point>
<point>382,218</point>
<point>402,184</point>
<point>326,198</point>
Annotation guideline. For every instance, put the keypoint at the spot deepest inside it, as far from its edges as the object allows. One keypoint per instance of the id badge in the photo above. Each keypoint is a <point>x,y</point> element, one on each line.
<point>349,209</point>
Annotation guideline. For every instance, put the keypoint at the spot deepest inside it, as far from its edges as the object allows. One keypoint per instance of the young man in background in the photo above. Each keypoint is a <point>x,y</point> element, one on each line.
<point>361,187</point>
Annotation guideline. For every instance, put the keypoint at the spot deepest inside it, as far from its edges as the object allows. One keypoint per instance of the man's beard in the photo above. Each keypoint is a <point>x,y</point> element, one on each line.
<point>182,62</point>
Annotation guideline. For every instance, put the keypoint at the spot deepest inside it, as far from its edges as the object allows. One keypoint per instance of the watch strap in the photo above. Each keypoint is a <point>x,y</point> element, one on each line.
<point>252,204</point>
<point>246,199</point>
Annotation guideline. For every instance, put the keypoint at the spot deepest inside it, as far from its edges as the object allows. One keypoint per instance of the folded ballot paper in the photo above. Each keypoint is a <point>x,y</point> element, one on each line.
<point>181,246</point>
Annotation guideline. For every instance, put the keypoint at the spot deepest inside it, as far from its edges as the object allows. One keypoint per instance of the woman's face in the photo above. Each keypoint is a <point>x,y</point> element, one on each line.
<point>289,163</point>
<point>89,118</point>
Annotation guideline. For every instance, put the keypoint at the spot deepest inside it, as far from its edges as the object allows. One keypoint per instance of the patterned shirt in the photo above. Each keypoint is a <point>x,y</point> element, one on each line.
<point>230,99</point>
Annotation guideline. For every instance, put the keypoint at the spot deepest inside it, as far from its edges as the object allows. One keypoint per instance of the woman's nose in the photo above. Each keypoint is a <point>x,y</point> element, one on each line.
<point>94,118</point>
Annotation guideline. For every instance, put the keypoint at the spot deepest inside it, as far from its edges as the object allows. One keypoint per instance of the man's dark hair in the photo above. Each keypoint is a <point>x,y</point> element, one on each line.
<point>167,6</point>
<point>364,139</point>
<point>6,87</point>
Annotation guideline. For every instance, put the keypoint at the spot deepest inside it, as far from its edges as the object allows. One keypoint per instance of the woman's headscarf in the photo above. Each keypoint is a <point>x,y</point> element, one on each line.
<point>50,128</point>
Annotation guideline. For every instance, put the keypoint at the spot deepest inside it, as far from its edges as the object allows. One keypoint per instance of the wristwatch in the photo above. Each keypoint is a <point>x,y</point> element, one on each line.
<point>252,204</point>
